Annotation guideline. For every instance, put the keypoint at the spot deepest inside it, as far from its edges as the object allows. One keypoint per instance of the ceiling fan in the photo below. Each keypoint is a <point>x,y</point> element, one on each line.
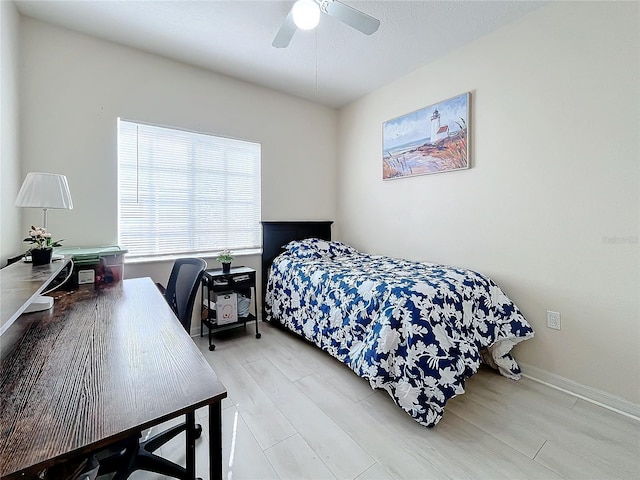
<point>305,14</point>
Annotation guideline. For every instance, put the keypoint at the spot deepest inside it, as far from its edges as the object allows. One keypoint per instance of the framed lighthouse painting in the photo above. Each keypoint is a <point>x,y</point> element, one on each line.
<point>434,139</point>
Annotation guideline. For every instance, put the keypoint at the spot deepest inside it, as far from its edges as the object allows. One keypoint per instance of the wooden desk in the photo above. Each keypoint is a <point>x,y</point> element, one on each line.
<point>100,366</point>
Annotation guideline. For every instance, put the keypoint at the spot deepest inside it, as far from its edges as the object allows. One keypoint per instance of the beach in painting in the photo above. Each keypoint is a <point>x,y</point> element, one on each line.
<point>448,154</point>
<point>430,140</point>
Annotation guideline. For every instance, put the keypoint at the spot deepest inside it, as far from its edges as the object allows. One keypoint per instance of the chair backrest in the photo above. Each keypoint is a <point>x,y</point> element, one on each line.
<point>183,286</point>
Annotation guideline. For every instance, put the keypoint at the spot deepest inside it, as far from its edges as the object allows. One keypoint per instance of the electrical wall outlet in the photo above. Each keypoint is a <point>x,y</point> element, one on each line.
<point>553,320</point>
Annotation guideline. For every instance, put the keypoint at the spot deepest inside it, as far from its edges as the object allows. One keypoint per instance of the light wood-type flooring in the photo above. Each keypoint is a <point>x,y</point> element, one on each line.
<point>294,412</point>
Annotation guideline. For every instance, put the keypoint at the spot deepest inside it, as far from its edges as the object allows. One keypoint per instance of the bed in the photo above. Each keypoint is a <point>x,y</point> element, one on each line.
<point>414,329</point>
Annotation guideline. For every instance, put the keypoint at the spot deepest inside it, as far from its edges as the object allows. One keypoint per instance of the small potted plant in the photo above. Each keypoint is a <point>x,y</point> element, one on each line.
<point>42,249</point>
<point>225,258</point>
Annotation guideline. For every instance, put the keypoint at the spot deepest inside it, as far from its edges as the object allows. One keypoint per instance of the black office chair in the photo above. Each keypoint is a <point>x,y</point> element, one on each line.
<point>183,286</point>
<point>132,455</point>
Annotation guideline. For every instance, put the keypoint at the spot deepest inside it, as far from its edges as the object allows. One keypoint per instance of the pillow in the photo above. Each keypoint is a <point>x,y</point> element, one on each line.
<point>317,248</point>
<point>338,249</point>
<point>308,248</point>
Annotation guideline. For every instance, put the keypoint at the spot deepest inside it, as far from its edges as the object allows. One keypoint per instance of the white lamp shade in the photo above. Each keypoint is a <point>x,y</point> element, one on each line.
<point>44,190</point>
<point>306,14</point>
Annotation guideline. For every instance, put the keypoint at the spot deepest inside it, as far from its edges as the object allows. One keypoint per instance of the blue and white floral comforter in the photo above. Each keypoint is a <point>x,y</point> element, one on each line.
<point>414,329</point>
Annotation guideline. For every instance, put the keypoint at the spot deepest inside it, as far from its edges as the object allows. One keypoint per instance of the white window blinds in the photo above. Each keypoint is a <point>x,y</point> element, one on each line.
<point>182,192</point>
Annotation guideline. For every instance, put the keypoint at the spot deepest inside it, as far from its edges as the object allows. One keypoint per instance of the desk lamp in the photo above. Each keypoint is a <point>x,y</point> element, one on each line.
<point>45,191</point>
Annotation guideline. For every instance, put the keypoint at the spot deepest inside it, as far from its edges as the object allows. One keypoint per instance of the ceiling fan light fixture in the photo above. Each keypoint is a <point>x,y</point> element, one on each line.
<point>306,14</point>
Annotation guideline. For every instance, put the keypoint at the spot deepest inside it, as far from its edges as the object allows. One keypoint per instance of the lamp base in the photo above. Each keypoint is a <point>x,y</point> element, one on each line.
<point>39,304</point>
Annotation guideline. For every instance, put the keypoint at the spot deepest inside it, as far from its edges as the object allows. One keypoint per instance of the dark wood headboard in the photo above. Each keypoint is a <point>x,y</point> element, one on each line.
<point>276,235</point>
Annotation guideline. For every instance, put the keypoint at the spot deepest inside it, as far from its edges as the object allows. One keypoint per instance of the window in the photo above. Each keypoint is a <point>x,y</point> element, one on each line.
<point>182,192</point>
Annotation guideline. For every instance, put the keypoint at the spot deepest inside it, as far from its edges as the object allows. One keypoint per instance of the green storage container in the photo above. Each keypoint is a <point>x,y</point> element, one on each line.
<point>95,265</point>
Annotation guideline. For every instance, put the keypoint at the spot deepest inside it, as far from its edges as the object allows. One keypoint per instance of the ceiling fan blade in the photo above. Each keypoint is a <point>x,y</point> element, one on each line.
<point>285,34</point>
<point>352,17</point>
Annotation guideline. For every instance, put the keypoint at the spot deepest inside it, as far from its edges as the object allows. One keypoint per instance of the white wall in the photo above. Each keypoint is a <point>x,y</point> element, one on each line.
<point>550,208</point>
<point>74,87</point>
<point>10,179</point>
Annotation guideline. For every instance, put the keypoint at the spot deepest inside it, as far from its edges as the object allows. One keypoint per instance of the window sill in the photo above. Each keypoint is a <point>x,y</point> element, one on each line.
<point>203,255</point>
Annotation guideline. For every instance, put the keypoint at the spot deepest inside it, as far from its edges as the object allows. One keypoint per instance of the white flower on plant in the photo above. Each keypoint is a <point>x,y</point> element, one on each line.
<point>225,257</point>
<point>40,238</point>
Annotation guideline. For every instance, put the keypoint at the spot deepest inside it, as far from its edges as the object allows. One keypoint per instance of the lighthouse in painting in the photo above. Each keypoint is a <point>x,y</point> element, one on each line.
<point>437,132</point>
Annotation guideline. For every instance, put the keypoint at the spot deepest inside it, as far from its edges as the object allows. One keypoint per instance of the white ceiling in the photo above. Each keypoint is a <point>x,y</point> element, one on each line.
<point>332,65</point>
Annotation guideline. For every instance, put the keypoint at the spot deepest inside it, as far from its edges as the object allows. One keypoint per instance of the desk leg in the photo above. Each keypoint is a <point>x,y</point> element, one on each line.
<point>191,445</point>
<point>215,441</point>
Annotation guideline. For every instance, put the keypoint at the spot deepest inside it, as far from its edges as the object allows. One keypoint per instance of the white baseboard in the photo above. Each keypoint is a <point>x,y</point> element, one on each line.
<point>603,399</point>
